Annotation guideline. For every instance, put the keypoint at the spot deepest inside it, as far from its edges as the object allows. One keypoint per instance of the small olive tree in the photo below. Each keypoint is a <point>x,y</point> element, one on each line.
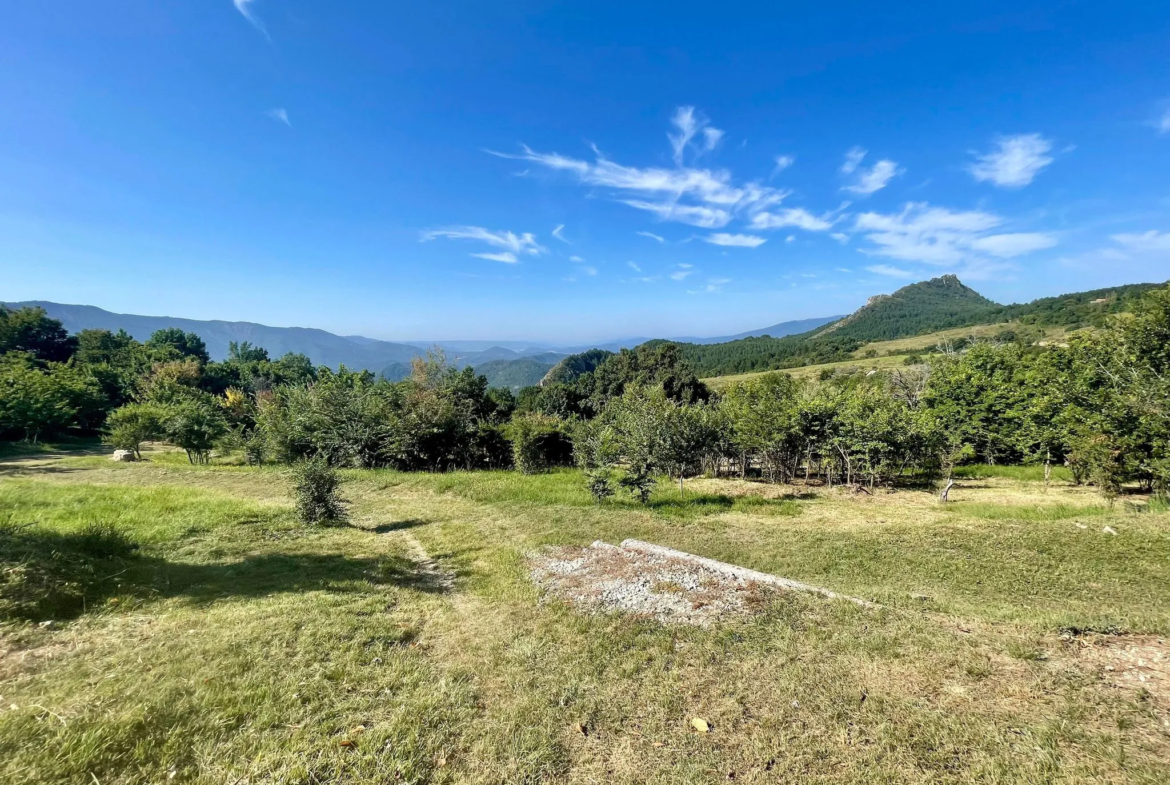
<point>131,425</point>
<point>316,487</point>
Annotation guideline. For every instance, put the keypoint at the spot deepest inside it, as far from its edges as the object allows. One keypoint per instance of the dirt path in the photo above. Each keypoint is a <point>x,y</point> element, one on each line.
<point>430,570</point>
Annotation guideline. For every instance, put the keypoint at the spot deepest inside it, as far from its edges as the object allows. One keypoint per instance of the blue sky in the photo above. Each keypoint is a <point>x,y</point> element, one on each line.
<point>574,171</point>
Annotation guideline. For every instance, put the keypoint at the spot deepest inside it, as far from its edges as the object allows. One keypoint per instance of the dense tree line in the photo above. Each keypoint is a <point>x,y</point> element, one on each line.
<point>1098,405</point>
<point>53,384</point>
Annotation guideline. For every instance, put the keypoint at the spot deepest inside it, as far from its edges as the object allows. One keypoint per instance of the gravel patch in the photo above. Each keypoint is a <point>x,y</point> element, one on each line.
<point>654,582</point>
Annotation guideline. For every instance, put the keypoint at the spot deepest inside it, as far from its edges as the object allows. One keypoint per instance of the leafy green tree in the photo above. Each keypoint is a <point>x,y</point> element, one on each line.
<point>553,399</point>
<point>687,439</point>
<point>294,369</point>
<point>30,330</point>
<point>655,364</point>
<point>102,347</point>
<point>33,402</point>
<point>84,392</point>
<point>244,353</point>
<point>131,425</point>
<point>172,343</point>
<point>195,424</point>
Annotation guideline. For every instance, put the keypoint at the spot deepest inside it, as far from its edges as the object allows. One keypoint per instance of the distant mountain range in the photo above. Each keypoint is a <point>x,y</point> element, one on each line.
<point>513,364</point>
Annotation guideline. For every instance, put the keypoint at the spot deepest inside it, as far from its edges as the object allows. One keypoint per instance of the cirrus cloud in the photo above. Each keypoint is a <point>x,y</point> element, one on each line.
<point>512,245</point>
<point>939,236</point>
<point>1015,162</point>
<point>735,240</point>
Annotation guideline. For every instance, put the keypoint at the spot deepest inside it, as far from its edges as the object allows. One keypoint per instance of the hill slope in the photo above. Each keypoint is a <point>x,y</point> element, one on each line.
<point>576,365</point>
<point>513,374</point>
<point>927,307</point>
<point>937,304</point>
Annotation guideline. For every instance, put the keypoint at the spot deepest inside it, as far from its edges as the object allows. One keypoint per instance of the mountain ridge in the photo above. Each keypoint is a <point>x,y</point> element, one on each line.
<point>356,352</point>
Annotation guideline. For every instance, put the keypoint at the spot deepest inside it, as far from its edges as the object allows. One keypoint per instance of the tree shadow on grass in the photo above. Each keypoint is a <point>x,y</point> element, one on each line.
<point>49,575</point>
<point>25,468</point>
<point>692,506</point>
<point>395,526</point>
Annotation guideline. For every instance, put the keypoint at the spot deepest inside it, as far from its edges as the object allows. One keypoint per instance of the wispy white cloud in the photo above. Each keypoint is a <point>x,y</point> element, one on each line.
<point>557,233</point>
<point>681,275</point>
<point>512,245</point>
<point>576,259</point>
<point>796,217</point>
<point>652,236</point>
<point>1144,242</point>
<point>735,240</point>
<point>280,115</point>
<point>245,8</point>
<point>782,163</point>
<point>707,198</point>
<point>840,237</point>
<point>506,257</point>
<point>936,235</point>
<point>868,181</point>
<point>589,270</point>
<point>888,270</point>
<point>1014,162</point>
<point>713,285</point>
<point>1163,122</point>
<point>692,215</point>
<point>633,266</point>
<point>1007,246</point>
<point>853,158</point>
<point>685,265</point>
<point>689,124</point>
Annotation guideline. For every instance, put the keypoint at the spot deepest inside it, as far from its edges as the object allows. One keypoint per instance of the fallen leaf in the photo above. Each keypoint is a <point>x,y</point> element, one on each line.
<point>580,728</point>
<point>357,729</point>
<point>347,744</point>
<point>700,724</point>
<point>657,744</point>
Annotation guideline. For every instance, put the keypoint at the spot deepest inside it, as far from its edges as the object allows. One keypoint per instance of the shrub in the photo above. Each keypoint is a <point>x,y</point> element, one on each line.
<point>315,485</point>
<point>600,487</point>
<point>640,484</point>
<point>539,442</point>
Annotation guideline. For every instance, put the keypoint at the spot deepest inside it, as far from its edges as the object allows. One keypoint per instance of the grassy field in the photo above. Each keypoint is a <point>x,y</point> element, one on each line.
<point>812,371</point>
<point>200,635</point>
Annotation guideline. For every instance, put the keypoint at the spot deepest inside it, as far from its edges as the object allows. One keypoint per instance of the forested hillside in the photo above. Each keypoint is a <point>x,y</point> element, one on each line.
<point>576,365</point>
<point>925,307</point>
<point>513,374</point>
<point>917,309</point>
<point>1077,310</point>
